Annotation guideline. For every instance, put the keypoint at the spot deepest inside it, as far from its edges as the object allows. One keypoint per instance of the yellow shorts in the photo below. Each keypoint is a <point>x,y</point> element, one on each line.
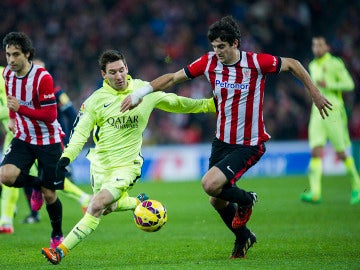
<point>116,181</point>
<point>333,128</point>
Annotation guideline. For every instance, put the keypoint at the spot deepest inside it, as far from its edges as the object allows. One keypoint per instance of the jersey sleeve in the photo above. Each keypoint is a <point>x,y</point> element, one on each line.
<point>4,110</point>
<point>269,63</point>
<point>83,126</point>
<point>197,68</point>
<point>170,102</point>
<point>340,79</point>
<point>46,91</point>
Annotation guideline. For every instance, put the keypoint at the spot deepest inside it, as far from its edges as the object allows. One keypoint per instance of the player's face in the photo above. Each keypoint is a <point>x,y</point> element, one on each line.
<point>116,75</point>
<point>226,53</point>
<point>319,47</point>
<point>17,60</point>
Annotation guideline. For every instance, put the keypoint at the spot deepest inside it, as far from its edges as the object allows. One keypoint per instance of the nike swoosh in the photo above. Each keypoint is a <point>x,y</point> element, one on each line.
<point>107,105</point>
<point>228,167</point>
<point>120,179</point>
<point>57,183</point>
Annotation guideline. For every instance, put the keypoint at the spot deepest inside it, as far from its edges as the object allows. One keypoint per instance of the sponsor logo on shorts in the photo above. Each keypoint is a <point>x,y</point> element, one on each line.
<point>228,167</point>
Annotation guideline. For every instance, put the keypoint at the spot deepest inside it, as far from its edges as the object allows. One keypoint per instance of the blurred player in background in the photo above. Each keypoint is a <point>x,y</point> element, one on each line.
<point>37,133</point>
<point>9,195</point>
<point>332,78</point>
<point>238,82</point>
<point>116,160</point>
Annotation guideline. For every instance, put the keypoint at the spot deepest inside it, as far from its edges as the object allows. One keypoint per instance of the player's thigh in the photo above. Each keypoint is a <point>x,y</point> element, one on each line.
<point>339,136</point>
<point>115,180</point>
<point>47,156</point>
<point>317,131</point>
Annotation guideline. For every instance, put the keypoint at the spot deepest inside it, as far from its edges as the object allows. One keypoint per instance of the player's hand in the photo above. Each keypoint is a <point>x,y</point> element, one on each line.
<point>134,99</point>
<point>12,125</point>
<point>130,102</point>
<point>61,168</point>
<point>322,104</point>
<point>13,103</point>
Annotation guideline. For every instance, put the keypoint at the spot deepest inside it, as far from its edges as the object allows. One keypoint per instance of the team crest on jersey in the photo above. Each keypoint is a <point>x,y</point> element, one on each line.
<point>246,72</point>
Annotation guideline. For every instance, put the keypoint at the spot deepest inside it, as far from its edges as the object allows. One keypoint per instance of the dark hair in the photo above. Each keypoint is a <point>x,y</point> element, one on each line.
<point>320,36</point>
<point>227,29</point>
<point>110,56</point>
<point>21,41</point>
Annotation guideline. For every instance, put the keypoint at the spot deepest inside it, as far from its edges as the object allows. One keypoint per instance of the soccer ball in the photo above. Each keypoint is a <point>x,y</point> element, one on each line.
<point>150,215</point>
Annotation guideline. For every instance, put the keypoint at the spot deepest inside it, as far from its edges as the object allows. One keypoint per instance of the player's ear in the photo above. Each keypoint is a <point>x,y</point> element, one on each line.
<point>103,74</point>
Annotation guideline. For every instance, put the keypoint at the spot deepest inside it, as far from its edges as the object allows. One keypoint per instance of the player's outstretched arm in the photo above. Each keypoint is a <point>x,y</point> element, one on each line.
<point>297,69</point>
<point>161,83</point>
<point>173,103</point>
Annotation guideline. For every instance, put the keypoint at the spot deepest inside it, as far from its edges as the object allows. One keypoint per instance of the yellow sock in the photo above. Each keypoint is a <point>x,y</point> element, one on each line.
<point>352,172</point>
<point>73,191</point>
<point>81,230</point>
<point>126,203</point>
<point>9,198</point>
<point>315,171</point>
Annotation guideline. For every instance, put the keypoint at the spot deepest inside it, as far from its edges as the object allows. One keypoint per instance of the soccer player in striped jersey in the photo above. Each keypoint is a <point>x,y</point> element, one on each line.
<point>66,116</point>
<point>237,79</point>
<point>37,133</point>
<point>115,161</point>
<point>9,195</point>
<point>331,76</point>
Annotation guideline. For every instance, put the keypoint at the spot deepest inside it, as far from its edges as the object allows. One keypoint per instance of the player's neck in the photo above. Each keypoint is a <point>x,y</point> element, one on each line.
<point>234,59</point>
<point>24,70</point>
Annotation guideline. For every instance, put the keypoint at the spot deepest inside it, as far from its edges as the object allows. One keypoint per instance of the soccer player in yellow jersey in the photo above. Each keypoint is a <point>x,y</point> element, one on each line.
<point>332,78</point>
<point>116,158</point>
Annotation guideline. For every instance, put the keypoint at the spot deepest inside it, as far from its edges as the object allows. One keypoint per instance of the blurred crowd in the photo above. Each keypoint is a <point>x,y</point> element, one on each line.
<point>162,36</point>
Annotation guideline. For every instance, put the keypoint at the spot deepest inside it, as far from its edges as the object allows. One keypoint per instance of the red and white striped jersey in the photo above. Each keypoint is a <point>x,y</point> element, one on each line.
<point>238,91</point>
<point>34,91</point>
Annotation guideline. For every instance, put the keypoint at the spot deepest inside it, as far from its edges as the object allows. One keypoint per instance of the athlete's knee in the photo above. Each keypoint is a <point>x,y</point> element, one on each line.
<point>213,181</point>
<point>217,203</point>
<point>97,205</point>
<point>50,196</point>
<point>317,151</point>
<point>8,174</point>
<point>100,202</point>
<point>210,187</point>
<point>212,184</point>
<point>341,155</point>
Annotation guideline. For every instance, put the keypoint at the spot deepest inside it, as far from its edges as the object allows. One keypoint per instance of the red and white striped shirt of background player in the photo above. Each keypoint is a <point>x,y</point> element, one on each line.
<point>34,91</point>
<point>239,91</point>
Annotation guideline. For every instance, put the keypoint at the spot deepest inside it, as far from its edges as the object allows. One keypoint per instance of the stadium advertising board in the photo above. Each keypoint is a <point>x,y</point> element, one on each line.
<point>190,162</point>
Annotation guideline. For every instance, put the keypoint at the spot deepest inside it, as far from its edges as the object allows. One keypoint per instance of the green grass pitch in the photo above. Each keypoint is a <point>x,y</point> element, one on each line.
<point>291,234</point>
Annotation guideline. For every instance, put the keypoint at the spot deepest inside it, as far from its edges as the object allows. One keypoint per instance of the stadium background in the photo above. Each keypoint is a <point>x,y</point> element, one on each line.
<point>162,36</point>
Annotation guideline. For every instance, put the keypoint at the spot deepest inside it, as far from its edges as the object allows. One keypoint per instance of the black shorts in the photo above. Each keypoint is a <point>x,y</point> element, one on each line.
<point>23,155</point>
<point>234,159</point>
